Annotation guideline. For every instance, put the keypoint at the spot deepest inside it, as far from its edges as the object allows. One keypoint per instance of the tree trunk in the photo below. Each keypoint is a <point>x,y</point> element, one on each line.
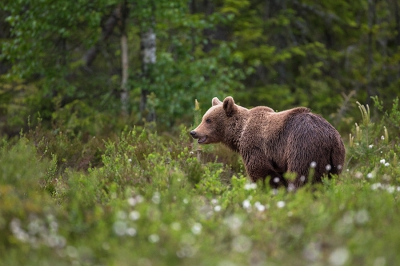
<point>125,74</point>
<point>124,61</point>
<point>149,58</point>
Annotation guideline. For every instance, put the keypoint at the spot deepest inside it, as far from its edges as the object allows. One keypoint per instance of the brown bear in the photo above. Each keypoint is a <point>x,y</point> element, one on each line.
<point>274,143</point>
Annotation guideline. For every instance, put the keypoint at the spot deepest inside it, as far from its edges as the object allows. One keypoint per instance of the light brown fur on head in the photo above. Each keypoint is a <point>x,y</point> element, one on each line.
<point>220,123</point>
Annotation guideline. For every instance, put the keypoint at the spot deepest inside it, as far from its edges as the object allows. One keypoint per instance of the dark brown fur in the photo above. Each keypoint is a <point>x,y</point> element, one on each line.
<point>273,143</point>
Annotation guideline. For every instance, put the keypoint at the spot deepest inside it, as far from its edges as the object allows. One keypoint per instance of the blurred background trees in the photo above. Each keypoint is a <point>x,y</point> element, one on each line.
<point>96,65</point>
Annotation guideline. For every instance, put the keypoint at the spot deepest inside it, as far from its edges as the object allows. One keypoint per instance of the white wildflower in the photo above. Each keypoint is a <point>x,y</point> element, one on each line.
<point>120,228</point>
<point>280,204</point>
<point>390,189</point>
<point>339,256</point>
<point>361,216</point>
<point>134,215</point>
<point>250,186</point>
<point>375,186</point>
<point>196,228</point>
<point>217,208</point>
<point>153,238</point>
<point>156,198</point>
<point>131,231</point>
<point>246,204</point>
<point>135,200</point>
<point>259,206</point>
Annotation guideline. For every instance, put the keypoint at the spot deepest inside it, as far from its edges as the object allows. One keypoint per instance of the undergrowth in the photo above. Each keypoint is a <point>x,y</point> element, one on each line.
<point>144,198</point>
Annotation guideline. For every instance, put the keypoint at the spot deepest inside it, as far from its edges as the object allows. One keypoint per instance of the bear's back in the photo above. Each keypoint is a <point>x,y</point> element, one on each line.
<point>275,130</point>
<point>263,120</point>
<point>303,123</point>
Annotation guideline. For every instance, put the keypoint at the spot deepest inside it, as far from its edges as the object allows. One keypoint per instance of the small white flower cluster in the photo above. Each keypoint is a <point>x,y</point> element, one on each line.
<point>39,232</point>
<point>154,238</point>
<point>257,205</point>
<point>339,256</point>
<point>280,204</point>
<point>217,207</point>
<point>246,204</point>
<point>383,161</point>
<point>234,222</point>
<point>196,228</point>
<point>250,186</point>
<point>156,199</point>
<point>122,226</point>
<point>135,200</point>
<point>388,188</point>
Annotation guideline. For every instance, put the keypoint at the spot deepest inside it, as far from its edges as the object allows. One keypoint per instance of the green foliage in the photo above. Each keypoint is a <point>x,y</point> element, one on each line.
<point>391,118</point>
<point>75,191</point>
<point>280,54</point>
<point>28,222</point>
<point>153,201</point>
<point>370,149</point>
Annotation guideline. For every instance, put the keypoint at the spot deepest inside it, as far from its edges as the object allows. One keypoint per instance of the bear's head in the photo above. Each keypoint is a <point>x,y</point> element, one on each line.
<point>217,121</point>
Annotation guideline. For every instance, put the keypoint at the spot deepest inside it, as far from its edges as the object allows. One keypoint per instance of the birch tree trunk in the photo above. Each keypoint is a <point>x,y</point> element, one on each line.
<point>149,58</point>
<point>124,62</point>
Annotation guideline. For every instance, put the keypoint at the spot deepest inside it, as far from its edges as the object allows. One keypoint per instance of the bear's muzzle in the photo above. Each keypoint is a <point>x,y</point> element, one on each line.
<point>196,136</point>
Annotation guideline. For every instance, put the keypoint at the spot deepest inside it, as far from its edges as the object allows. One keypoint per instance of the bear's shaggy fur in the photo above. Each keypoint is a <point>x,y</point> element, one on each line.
<point>273,143</point>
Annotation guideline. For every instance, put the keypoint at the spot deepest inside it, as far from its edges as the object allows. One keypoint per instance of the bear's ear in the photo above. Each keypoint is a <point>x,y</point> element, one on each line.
<point>229,106</point>
<point>215,101</point>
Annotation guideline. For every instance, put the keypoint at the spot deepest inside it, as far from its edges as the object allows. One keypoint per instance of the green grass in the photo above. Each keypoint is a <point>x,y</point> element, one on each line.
<point>152,199</point>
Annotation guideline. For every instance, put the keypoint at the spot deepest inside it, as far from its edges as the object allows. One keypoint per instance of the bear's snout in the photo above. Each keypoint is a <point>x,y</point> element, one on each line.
<point>202,138</point>
<point>193,133</point>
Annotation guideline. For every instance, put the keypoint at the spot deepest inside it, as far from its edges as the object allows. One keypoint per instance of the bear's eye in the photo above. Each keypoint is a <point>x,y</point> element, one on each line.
<point>208,121</point>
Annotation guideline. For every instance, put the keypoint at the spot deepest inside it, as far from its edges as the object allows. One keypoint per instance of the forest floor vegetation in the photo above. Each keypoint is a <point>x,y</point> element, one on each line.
<point>142,198</point>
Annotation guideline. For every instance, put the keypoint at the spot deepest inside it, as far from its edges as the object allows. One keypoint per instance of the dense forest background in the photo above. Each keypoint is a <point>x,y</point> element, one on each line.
<point>92,66</point>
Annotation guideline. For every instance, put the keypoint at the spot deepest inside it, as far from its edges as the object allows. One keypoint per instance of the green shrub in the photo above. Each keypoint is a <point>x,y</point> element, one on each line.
<point>154,199</point>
